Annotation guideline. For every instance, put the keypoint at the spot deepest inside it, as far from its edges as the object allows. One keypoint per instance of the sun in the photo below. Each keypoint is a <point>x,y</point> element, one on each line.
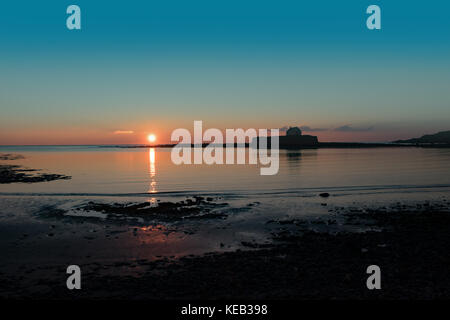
<point>151,138</point>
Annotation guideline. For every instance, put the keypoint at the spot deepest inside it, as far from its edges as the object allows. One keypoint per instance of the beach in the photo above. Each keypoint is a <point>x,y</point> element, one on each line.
<point>311,237</point>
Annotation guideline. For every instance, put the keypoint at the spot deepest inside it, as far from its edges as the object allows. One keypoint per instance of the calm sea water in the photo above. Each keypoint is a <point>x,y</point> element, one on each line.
<point>125,171</point>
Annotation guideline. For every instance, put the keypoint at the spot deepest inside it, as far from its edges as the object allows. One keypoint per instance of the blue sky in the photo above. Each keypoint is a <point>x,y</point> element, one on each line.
<point>153,66</point>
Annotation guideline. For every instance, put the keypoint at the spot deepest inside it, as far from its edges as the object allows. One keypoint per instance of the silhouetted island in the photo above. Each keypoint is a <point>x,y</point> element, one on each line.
<point>294,139</point>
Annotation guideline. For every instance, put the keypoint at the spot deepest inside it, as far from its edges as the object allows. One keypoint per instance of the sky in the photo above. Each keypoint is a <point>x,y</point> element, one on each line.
<point>140,67</point>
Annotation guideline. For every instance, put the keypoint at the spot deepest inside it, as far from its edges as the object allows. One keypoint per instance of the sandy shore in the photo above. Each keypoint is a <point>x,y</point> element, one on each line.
<point>410,246</point>
<point>158,249</point>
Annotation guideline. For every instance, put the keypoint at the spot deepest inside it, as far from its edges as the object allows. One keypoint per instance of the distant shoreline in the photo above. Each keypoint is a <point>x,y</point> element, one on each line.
<point>350,145</point>
<point>325,145</point>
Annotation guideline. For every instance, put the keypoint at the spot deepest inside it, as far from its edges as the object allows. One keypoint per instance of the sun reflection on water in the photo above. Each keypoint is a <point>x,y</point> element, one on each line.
<point>152,170</point>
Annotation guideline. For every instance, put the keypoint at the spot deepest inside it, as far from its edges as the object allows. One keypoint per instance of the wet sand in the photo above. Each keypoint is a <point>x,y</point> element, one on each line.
<point>409,245</point>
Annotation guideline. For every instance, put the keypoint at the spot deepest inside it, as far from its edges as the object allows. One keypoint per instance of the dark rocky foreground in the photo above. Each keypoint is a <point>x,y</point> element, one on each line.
<point>195,208</point>
<point>410,247</point>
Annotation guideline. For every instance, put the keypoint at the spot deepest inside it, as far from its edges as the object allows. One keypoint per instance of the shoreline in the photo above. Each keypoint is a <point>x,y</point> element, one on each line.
<point>409,244</point>
<point>321,145</point>
<point>324,145</point>
<point>314,245</point>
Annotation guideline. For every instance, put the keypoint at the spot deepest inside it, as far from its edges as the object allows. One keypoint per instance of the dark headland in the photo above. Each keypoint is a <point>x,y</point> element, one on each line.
<point>440,138</point>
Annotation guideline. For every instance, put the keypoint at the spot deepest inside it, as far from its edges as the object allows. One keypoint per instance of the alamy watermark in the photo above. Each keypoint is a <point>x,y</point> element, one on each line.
<point>73,22</point>
<point>74,280</point>
<point>210,147</point>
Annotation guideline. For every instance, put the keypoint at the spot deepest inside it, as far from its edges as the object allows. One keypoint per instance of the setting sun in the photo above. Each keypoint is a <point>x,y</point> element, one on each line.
<point>151,138</point>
